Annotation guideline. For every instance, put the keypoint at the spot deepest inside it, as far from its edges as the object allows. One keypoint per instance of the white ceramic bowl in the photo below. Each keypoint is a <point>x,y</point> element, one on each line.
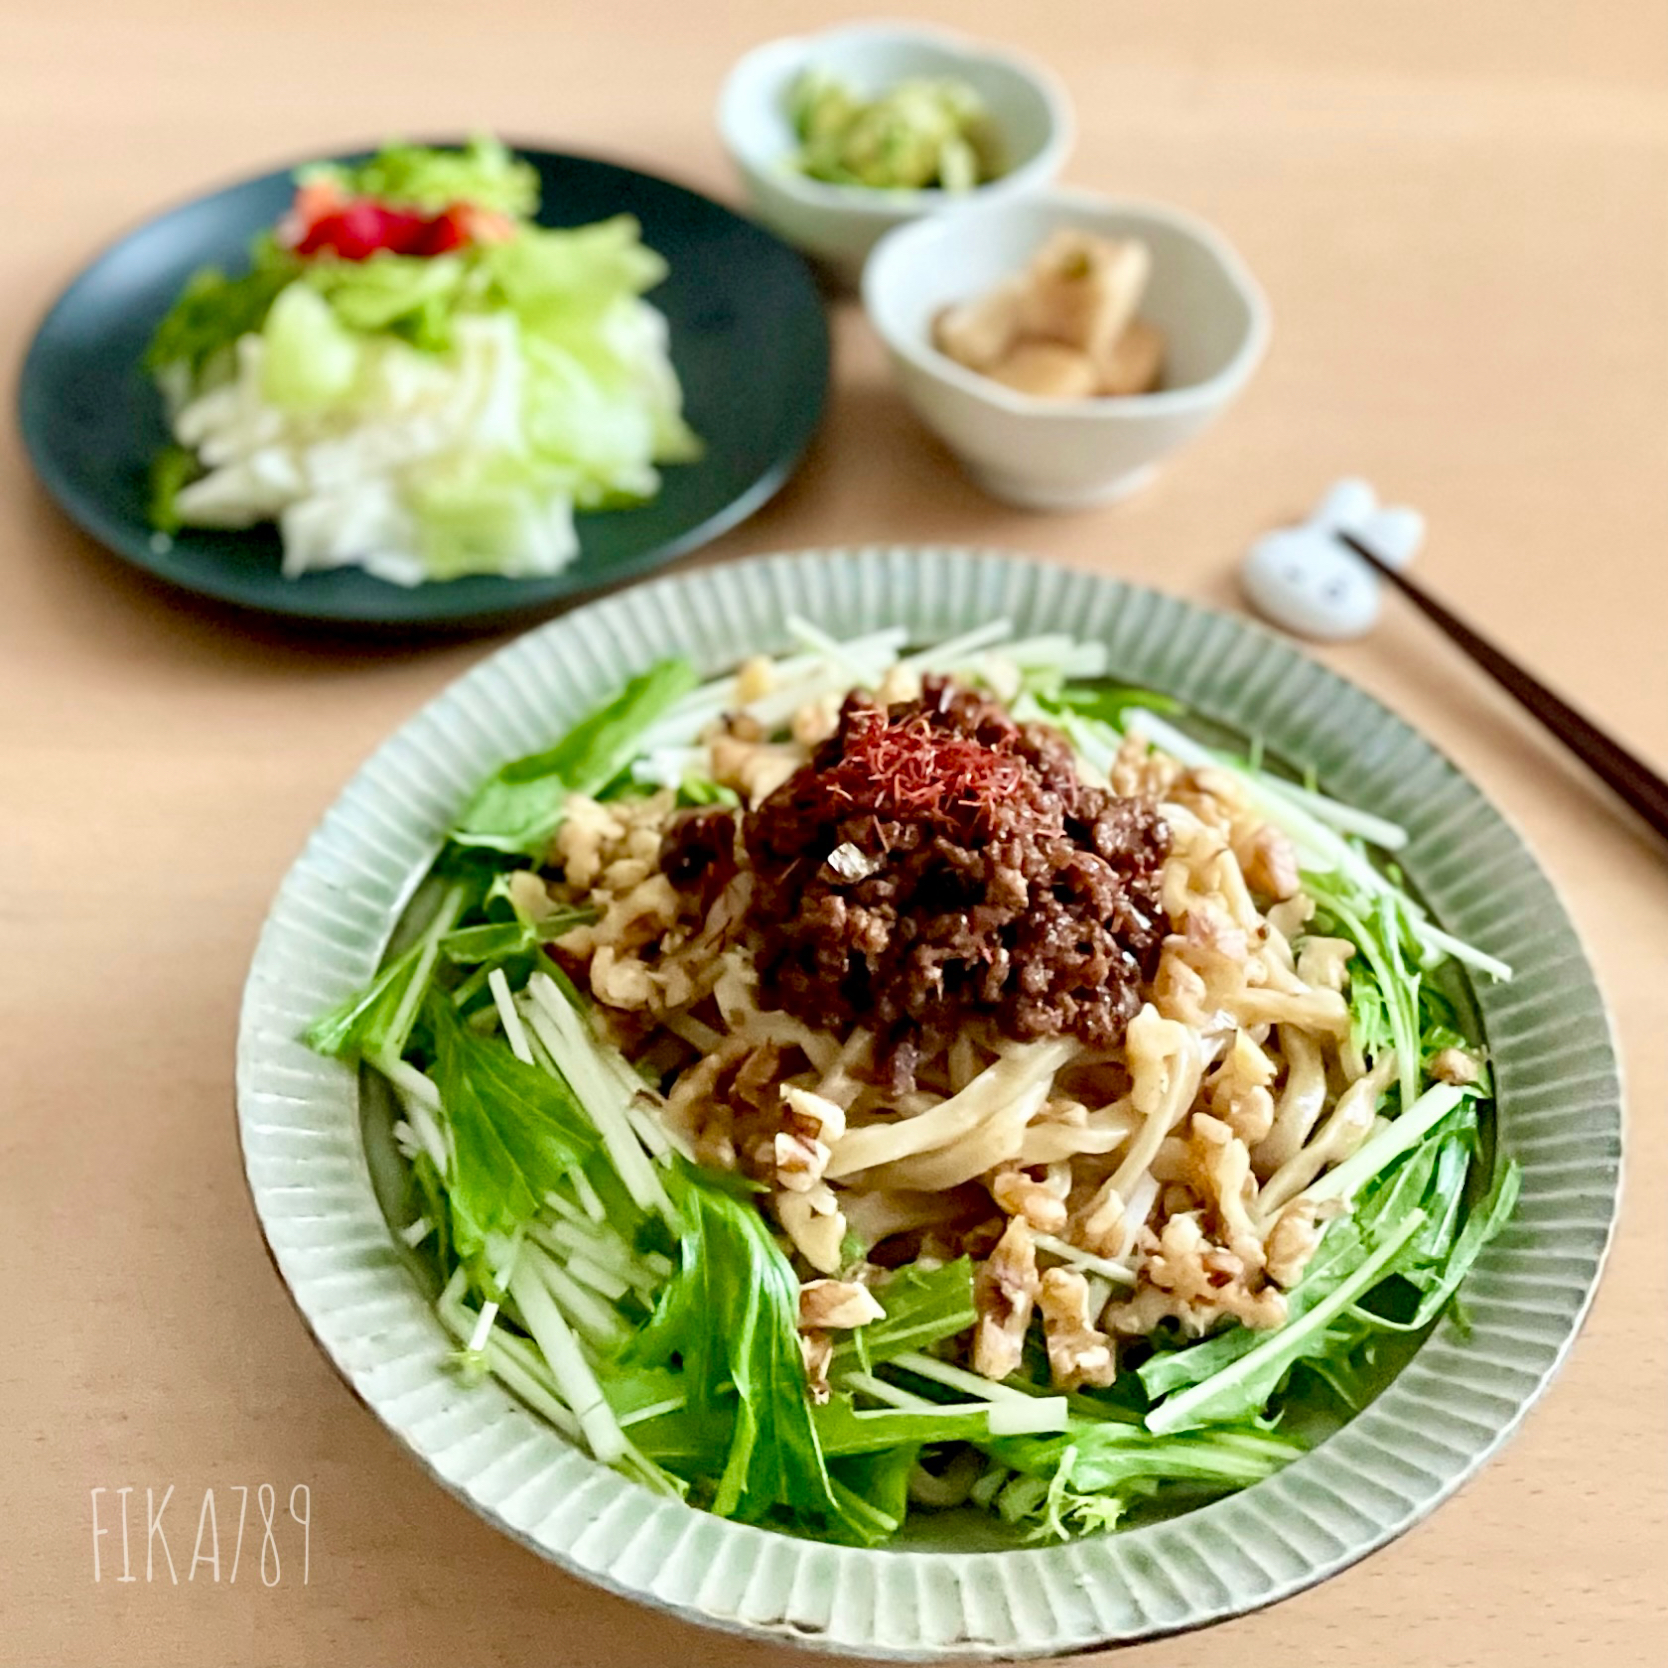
<point>836,224</point>
<point>1065,454</point>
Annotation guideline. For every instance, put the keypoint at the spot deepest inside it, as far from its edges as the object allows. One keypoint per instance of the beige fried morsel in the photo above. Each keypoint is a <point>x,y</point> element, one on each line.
<point>1188,1278</point>
<point>1220,1174</point>
<point>817,1351</point>
<point>814,1222</point>
<point>1083,290</point>
<point>1454,1065</point>
<point>836,1305</point>
<point>1078,1354</point>
<point>1016,1194</point>
<point>1004,1294</point>
<point>1134,364</point>
<point>1292,1241</point>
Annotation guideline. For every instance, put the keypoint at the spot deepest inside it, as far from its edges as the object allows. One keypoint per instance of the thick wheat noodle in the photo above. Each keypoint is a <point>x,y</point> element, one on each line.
<point>837,1083</point>
<point>1312,1010</point>
<point>1026,1068</point>
<point>1345,1129</point>
<point>1186,1068</point>
<point>1104,1132</point>
<point>1300,1102</point>
<point>1230,885</point>
<point>993,1142</point>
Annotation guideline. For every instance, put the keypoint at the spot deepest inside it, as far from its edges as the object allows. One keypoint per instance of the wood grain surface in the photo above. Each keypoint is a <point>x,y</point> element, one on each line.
<point>1461,216</point>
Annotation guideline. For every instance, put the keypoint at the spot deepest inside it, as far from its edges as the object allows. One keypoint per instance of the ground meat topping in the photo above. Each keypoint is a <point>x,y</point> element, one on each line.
<point>936,861</point>
<point>697,851</point>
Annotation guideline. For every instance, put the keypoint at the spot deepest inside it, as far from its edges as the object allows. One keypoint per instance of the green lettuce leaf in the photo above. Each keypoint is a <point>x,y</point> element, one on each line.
<point>519,807</point>
<point>213,310</point>
<point>311,360</point>
<point>355,1027</point>
<point>172,468</point>
<point>922,1306</point>
<point>1085,1478</point>
<point>411,296</point>
<point>484,172</point>
<point>517,1131</point>
<point>730,1318</point>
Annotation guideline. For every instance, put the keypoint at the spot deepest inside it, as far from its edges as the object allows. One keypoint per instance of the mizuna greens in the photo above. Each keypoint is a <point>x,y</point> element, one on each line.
<point>653,1306</point>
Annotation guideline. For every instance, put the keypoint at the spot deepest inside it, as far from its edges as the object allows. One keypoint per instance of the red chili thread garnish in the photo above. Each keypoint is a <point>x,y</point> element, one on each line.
<point>909,767</point>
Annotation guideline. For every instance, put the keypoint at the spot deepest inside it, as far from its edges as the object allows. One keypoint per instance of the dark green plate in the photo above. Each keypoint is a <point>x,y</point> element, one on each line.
<point>749,339</point>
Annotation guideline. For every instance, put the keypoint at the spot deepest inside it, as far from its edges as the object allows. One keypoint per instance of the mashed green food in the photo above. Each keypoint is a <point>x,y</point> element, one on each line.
<point>920,134</point>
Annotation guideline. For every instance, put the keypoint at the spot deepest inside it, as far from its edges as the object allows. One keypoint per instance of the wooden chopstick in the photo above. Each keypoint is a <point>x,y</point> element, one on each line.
<point>1627,775</point>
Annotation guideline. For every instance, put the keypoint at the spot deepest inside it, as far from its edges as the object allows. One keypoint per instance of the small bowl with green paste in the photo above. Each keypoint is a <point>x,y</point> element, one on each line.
<point>841,136</point>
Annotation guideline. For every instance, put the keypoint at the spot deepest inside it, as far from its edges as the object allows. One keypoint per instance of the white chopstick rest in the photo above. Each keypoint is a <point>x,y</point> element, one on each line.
<point>1303,580</point>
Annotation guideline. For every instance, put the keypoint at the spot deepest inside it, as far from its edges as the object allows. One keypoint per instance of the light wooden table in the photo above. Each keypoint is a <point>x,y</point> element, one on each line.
<point>1461,215</point>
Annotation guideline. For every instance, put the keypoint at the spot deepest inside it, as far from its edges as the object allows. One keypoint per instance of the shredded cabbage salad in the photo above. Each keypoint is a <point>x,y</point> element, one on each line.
<point>414,378</point>
<point>646,1306</point>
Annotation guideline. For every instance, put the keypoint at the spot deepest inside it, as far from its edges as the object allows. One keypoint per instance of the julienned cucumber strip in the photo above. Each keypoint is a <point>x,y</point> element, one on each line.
<point>1389,1144</point>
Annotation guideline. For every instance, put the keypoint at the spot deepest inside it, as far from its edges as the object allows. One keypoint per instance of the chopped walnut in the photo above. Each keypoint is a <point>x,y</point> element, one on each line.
<point>630,921</point>
<point>836,1304</point>
<point>1222,1177</point>
<point>899,683</point>
<point>1212,795</point>
<point>1211,930</point>
<point>1292,1242</point>
<point>1239,1090</point>
<point>1004,1292</point>
<point>1454,1065</point>
<point>693,1101</point>
<point>593,837</point>
<point>799,1160</point>
<point>621,982</point>
<point>1270,864</point>
<point>817,1350</point>
<point>529,893</point>
<point>756,677</point>
<point>755,769</point>
<point>815,722</point>
<point>1077,1353</point>
<point>1139,773</point>
<point>1019,1194</point>
<point>812,1220</point>
<point>828,1115</point>
<point>588,830</point>
<point>1187,1278</point>
<point>799,1151</point>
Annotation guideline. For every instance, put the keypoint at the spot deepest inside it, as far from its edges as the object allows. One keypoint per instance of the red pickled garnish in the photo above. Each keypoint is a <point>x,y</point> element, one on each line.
<point>909,767</point>
<point>357,229</point>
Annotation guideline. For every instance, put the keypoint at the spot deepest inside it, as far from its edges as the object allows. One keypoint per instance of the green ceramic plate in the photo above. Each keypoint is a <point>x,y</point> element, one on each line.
<point>749,339</point>
<point>305,1125</point>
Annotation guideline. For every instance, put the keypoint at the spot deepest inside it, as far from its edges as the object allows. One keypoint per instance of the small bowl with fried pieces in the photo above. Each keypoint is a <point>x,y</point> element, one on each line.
<point>1062,346</point>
